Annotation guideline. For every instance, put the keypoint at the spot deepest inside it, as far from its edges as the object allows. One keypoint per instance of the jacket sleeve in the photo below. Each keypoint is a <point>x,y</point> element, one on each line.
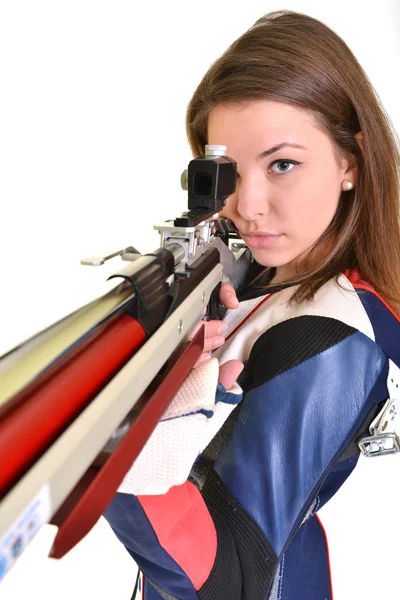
<point>310,382</point>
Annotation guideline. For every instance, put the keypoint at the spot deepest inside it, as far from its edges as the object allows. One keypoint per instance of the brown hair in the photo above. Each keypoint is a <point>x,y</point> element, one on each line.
<point>296,59</point>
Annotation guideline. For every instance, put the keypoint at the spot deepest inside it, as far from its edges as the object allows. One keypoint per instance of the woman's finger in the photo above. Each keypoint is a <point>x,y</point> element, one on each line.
<point>213,338</point>
<point>229,372</point>
<point>227,296</point>
<point>212,329</point>
<point>203,358</point>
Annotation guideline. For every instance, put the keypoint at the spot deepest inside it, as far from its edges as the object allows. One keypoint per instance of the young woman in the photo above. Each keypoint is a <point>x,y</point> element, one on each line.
<point>317,202</point>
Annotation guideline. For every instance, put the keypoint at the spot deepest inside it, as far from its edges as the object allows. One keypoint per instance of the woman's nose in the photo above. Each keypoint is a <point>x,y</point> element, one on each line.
<point>251,201</point>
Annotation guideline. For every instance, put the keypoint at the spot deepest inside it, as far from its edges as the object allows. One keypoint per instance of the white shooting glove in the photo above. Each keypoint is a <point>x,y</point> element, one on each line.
<point>195,415</point>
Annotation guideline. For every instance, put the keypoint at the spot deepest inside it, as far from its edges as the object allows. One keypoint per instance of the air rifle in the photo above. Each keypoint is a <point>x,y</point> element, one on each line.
<point>79,400</point>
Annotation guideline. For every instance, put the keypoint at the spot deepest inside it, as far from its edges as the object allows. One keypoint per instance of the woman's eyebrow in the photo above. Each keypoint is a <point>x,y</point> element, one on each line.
<point>279,147</point>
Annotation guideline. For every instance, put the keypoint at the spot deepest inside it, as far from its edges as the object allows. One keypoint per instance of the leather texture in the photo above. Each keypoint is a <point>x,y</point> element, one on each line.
<point>299,423</point>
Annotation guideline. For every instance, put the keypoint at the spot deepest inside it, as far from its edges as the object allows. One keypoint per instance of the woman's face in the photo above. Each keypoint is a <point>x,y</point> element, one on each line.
<point>289,178</point>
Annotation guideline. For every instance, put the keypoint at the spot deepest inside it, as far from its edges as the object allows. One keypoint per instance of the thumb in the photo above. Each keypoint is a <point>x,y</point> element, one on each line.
<point>229,372</point>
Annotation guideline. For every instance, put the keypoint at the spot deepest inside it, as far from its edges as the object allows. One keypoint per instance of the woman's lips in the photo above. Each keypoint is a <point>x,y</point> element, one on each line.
<point>260,240</point>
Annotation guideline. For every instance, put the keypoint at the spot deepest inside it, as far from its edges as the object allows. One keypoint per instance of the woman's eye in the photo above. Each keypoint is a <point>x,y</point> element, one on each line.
<point>282,166</point>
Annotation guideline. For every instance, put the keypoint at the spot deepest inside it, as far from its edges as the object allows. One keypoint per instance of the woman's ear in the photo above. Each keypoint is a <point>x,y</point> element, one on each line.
<point>351,171</point>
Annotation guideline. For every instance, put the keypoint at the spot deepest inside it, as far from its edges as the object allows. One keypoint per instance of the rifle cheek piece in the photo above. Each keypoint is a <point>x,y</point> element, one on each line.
<point>148,276</point>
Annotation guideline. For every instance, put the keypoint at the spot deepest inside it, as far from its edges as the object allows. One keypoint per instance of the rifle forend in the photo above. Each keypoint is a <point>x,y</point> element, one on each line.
<point>79,400</point>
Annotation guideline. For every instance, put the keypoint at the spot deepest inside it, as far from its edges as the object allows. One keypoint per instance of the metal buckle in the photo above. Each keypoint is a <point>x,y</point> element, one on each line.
<point>383,439</point>
<point>376,445</point>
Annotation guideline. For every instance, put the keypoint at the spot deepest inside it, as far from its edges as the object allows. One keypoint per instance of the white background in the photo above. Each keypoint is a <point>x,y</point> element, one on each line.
<point>92,144</point>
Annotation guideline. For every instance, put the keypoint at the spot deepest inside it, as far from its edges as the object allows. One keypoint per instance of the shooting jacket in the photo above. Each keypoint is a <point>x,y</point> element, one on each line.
<point>256,518</point>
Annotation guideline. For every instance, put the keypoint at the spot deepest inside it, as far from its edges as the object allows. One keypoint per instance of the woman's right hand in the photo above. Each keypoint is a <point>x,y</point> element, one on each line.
<point>229,371</point>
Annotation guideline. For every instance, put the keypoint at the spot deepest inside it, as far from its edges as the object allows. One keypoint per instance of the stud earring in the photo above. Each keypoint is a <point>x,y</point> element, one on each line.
<point>347,185</point>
